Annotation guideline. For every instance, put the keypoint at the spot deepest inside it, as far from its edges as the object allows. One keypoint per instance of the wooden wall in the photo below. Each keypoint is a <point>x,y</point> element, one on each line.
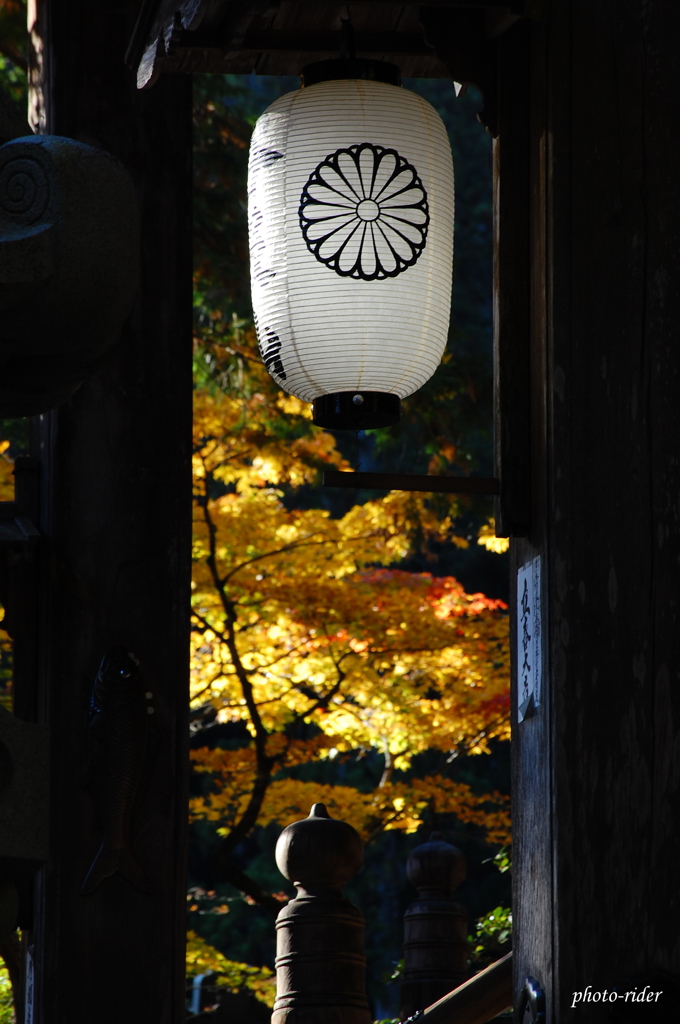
<point>597,770</point>
<point>115,510</point>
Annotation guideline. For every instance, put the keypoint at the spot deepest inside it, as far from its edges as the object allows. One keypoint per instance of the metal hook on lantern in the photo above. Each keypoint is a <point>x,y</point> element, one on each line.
<point>347,45</point>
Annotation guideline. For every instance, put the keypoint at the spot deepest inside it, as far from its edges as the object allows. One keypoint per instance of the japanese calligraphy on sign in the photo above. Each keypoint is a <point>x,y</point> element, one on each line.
<point>528,638</point>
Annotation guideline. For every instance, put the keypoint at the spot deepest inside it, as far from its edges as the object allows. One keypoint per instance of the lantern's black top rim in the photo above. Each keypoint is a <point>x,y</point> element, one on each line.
<point>351,67</point>
<point>356,410</point>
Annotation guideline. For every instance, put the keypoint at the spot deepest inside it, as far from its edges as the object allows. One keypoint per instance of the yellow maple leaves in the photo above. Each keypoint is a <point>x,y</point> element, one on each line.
<point>488,539</point>
<point>202,958</point>
<point>398,805</point>
<point>6,473</point>
<point>299,621</point>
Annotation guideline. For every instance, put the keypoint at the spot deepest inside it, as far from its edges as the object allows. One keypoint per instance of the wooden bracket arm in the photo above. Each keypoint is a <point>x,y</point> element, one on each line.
<point>412,482</point>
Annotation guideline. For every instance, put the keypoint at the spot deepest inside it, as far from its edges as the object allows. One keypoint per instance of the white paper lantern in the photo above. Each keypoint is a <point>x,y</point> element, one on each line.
<point>351,242</point>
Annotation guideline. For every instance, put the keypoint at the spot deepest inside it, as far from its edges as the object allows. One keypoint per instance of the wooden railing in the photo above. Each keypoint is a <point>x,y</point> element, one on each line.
<point>320,963</point>
<point>477,1001</point>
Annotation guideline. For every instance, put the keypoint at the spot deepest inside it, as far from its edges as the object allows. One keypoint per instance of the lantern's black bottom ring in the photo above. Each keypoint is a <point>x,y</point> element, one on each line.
<point>356,410</point>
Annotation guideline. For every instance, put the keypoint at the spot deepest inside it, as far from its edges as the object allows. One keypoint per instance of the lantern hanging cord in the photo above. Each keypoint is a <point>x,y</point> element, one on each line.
<point>347,47</point>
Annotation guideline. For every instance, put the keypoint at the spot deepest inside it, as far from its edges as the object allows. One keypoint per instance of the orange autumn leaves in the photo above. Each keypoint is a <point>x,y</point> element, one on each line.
<point>303,632</point>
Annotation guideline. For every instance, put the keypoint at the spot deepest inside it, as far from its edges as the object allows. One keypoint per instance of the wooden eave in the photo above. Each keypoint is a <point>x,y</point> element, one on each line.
<point>256,36</point>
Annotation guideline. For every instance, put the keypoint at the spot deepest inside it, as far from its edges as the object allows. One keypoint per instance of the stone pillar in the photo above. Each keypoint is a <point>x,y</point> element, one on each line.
<point>320,964</point>
<point>435,927</point>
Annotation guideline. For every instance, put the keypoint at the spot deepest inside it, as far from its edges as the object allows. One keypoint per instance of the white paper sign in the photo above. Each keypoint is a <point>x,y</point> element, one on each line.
<point>528,638</point>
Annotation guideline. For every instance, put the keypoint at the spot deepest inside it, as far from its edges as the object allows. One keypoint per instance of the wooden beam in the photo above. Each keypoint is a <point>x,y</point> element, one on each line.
<point>272,41</point>
<point>364,42</point>
<point>518,7</point>
<point>512,281</point>
<point>413,482</point>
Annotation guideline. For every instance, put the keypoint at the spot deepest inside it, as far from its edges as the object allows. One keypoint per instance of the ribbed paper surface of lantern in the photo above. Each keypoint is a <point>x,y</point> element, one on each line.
<point>351,238</point>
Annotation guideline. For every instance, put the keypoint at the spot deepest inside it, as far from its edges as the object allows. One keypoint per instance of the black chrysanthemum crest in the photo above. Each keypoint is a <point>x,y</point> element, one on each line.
<point>364,213</point>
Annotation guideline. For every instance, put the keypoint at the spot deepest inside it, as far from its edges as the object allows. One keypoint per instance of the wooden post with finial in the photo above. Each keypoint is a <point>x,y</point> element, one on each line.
<point>435,927</point>
<point>320,963</point>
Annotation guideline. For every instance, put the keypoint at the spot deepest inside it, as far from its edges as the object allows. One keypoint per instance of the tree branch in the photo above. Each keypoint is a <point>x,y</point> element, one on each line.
<point>305,542</point>
<point>245,884</point>
<point>7,49</point>
<point>265,764</point>
<point>323,701</point>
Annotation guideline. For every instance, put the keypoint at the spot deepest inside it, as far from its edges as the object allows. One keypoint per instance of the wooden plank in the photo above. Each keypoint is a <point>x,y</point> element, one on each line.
<point>531,749</point>
<point>658,393</point>
<point>614,375</point>
<point>599,354</point>
<point>23,605</point>
<point>116,514</point>
<point>412,482</point>
<point>512,416</point>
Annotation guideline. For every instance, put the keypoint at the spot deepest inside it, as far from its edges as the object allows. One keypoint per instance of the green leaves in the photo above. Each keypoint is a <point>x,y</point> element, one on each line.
<point>492,938</point>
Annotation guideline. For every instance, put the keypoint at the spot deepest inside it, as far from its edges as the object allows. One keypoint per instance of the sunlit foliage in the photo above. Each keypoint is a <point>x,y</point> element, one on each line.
<point>6,1002</point>
<point>488,539</point>
<point>230,975</point>
<point>299,619</point>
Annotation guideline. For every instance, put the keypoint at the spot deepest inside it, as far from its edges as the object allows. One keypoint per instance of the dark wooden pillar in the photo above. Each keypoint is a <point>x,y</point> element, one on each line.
<point>597,768</point>
<point>115,511</point>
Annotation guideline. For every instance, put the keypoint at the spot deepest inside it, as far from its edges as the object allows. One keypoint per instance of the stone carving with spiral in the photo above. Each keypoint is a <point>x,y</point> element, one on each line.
<point>24,191</point>
<point>68,267</point>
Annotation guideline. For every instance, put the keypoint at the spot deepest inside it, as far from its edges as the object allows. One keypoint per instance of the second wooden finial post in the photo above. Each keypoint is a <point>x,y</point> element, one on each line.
<point>435,927</point>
